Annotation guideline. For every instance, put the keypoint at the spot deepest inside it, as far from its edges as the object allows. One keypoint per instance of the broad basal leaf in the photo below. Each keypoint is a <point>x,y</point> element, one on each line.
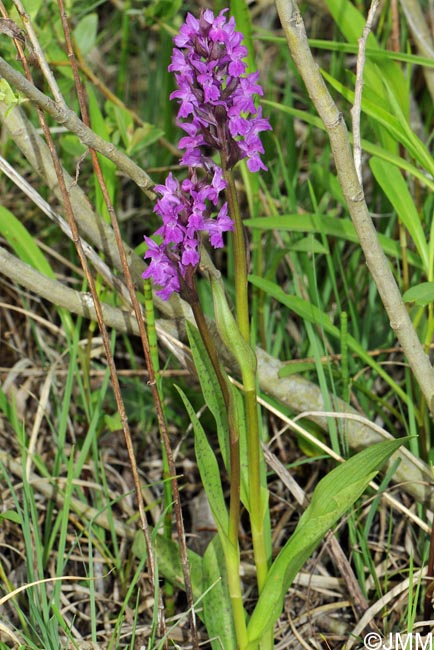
<point>333,496</point>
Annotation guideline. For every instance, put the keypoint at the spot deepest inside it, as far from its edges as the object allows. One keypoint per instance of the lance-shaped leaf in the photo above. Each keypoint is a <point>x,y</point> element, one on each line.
<point>333,496</point>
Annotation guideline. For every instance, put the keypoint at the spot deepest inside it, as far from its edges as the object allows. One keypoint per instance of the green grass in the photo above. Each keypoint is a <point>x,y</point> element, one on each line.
<point>69,516</point>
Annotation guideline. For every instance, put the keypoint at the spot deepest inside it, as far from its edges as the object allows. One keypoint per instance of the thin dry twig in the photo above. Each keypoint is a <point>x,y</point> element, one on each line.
<point>146,350</point>
<point>358,90</point>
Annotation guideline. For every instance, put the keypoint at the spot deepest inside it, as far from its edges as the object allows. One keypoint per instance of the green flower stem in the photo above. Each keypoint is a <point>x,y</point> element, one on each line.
<point>240,255</point>
<point>257,510</point>
<point>232,559</point>
<point>230,546</point>
<point>248,372</point>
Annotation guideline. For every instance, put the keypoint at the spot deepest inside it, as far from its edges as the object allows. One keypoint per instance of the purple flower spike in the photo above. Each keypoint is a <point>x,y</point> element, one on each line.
<point>186,212</point>
<point>216,110</point>
<point>215,94</point>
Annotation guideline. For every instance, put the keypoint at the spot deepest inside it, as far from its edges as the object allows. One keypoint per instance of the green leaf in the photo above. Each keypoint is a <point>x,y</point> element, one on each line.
<point>396,190</point>
<point>169,562</point>
<point>296,368</point>
<point>333,496</point>
<point>161,10</point>
<point>210,389</point>
<point>23,243</point>
<point>378,54</point>
<point>123,119</point>
<point>32,7</point>
<point>113,422</point>
<point>142,137</point>
<point>240,420</point>
<point>8,96</point>
<point>309,244</point>
<point>217,610</point>
<point>85,33</point>
<point>420,151</point>
<point>319,223</point>
<point>8,407</point>
<point>422,294</point>
<point>72,145</point>
<point>209,470</point>
<point>215,402</point>
<point>108,167</point>
<point>26,248</point>
<point>231,335</point>
<point>313,314</point>
<point>11,515</point>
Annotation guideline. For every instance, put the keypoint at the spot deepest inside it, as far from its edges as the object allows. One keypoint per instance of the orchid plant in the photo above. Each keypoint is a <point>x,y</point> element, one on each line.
<point>222,121</point>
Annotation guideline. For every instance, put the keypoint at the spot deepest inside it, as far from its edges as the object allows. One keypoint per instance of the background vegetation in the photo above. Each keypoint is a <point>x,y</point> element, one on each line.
<point>332,376</point>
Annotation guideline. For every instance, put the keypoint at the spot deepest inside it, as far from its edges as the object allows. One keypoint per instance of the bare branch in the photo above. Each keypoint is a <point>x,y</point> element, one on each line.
<point>357,108</point>
<point>69,119</point>
<point>377,262</point>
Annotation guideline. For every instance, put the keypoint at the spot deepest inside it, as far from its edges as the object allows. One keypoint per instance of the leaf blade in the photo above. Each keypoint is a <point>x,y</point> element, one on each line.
<point>332,497</point>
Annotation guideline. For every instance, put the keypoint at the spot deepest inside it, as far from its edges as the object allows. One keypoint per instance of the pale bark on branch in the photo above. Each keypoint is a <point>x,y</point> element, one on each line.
<point>296,392</point>
<point>376,260</point>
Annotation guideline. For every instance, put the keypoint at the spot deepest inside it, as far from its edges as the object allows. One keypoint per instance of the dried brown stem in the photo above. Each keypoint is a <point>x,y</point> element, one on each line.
<point>146,351</point>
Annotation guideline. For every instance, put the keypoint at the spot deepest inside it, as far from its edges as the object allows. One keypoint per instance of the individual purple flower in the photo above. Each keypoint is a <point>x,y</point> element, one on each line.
<point>215,94</point>
<point>185,210</point>
<point>161,269</point>
<point>216,227</point>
